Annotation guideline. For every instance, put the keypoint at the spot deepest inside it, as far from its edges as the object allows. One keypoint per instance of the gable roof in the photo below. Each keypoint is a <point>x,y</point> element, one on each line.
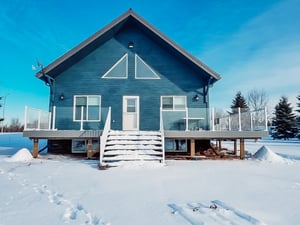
<point>87,46</point>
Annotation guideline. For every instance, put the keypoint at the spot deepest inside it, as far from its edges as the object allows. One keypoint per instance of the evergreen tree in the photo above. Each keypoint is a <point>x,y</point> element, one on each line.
<point>298,118</point>
<point>239,102</point>
<point>284,121</point>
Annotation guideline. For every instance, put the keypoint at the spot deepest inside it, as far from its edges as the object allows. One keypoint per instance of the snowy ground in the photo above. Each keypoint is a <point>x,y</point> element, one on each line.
<point>61,190</point>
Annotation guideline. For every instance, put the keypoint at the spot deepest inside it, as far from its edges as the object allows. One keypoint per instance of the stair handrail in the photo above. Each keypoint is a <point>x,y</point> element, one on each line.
<point>162,136</point>
<point>104,135</point>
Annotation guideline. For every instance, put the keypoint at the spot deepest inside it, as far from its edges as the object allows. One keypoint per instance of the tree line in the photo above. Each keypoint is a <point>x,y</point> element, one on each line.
<point>284,123</point>
<point>15,126</point>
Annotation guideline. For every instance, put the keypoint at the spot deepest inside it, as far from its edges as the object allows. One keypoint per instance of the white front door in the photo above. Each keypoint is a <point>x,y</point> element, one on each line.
<point>131,109</point>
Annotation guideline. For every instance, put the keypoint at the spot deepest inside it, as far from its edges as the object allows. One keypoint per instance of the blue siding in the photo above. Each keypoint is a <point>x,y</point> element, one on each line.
<point>178,77</point>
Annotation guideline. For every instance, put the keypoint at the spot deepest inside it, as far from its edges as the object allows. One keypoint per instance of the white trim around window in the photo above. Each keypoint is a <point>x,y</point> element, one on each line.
<point>91,105</point>
<point>173,103</point>
<point>143,71</point>
<point>120,68</point>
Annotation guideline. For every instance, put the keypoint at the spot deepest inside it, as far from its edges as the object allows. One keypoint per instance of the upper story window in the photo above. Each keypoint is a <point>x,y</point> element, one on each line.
<point>143,70</point>
<point>87,108</point>
<point>119,70</point>
<point>173,103</point>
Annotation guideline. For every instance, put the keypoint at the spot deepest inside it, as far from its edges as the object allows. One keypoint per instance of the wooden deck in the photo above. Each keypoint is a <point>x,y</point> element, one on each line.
<point>192,136</point>
<point>62,134</point>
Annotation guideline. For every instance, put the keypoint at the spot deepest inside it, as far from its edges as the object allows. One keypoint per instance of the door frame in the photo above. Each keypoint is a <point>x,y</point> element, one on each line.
<point>136,113</point>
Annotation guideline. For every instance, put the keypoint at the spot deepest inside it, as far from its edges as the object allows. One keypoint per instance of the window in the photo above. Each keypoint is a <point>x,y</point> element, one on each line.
<point>87,107</point>
<point>119,70</point>
<point>176,145</point>
<point>143,70</point>
<point>173,103</point>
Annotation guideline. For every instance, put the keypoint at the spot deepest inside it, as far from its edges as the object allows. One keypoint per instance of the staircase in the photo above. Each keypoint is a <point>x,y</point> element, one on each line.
<point>132,146</point>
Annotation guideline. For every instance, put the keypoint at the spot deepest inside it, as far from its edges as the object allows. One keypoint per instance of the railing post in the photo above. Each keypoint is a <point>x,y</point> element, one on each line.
<point>240,122</point>
<point>186,119</point>
<point>266,119</point>
<point>49,120</point>
<point>25,118</point>
<point>81,119</point>
<point>251,121</point>
<point>162,136</point>
<point>39,119</point>
<point>213,118</point>
<point>53,117</point>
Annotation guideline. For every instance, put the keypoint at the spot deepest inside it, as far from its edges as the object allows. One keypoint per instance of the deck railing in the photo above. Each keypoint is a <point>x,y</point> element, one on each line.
<point>36,119</point>
<point>188,119</point>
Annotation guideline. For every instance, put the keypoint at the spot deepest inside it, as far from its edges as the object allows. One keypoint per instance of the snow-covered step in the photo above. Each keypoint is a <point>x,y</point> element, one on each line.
<point>127,142</point>
<point>132,157</point>
<point>133,137</point>
<point>131,146</point>
<point>131,152</point>
<point>119,132</point>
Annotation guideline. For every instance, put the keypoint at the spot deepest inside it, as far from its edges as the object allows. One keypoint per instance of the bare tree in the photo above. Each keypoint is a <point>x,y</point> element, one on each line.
<point>257,99</point>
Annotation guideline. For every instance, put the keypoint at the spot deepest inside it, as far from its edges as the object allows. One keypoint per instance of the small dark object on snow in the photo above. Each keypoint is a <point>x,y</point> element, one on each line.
<point>196,209</point>
<point>213,206</point>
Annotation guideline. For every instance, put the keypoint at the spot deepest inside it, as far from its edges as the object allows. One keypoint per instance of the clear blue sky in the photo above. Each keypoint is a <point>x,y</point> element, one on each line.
<point>251,44</point>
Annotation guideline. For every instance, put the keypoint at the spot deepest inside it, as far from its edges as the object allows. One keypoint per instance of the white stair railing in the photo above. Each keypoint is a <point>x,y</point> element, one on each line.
<point>162,137</point>
<point>104,135</point>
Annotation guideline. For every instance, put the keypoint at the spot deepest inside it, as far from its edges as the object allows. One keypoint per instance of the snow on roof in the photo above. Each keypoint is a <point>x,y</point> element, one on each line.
<point>266,154</point>
<point>22,155</point>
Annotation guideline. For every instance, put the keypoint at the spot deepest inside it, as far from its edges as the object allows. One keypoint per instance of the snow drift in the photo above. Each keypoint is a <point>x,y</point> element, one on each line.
<point>22,155</point>
<point>266,154</point>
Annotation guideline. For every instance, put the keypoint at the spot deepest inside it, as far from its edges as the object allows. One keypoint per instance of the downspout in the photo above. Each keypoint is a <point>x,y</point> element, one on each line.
<point>206,100</point>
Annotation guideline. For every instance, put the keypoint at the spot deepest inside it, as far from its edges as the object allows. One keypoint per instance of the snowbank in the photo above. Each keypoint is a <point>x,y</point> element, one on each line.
<point>265,154</point>
<point>22,155</point>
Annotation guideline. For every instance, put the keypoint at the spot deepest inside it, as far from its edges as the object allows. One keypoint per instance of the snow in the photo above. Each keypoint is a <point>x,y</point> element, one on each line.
<point>22,155</point>
<point>266,154</point>
<point>57,189</point>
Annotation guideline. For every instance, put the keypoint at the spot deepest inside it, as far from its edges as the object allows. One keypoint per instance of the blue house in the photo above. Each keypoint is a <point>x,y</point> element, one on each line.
<point>128,79</point>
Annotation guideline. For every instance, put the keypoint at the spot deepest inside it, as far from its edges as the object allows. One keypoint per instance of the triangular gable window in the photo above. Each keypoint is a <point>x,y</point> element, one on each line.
<point>119,69</point>
<point>143,70</point>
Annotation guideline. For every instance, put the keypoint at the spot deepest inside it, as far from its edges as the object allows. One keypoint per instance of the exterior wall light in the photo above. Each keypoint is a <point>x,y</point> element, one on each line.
<point>196,98</point>
<point>62,97</point>
<point>130,44</point>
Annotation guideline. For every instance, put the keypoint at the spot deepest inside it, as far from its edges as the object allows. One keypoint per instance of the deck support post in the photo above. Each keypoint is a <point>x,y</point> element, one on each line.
<point>242,148</point>
<point>220,143</point>
<point>192,147</point>
<point>35,148</point>
<point>234,146</point>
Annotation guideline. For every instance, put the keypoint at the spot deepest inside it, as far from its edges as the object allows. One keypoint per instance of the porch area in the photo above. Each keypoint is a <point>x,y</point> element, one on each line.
<point>186,133</point>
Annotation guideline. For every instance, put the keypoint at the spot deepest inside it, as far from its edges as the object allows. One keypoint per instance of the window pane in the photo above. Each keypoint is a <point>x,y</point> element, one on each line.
<point>78,112</point>
<point>94,113</point>
<point>143,70</point>
<point>167,103</point>
<point>94,100</point>
<point>131,105</point>
<point>179,103</point>
<point>81,101</point>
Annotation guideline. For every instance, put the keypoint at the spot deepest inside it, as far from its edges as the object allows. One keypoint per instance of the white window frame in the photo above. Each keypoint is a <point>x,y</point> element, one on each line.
<point>87,108</point>
<point>137,57</point>
<point>105,76</point>
<point>173,105</point>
